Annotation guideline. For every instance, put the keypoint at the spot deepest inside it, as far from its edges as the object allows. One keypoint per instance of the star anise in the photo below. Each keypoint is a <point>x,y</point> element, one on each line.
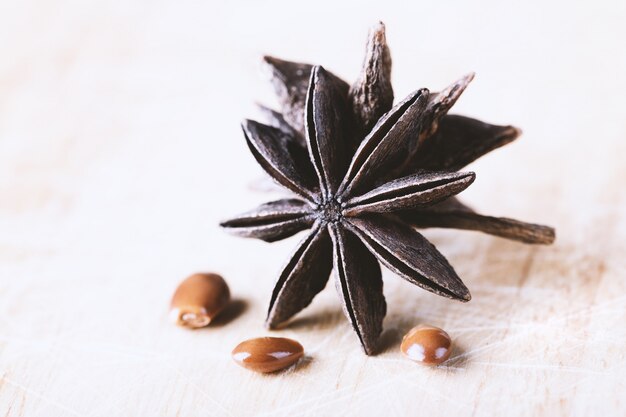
<point>367,174</point>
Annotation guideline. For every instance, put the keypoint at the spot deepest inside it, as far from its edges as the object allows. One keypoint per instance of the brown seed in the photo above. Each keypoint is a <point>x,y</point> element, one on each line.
<point>427,345</point>
<point>198,299</point>
<point>267,354</point>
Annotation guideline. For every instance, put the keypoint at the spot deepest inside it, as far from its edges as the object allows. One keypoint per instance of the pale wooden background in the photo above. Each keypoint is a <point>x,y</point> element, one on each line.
<point>120,150</point>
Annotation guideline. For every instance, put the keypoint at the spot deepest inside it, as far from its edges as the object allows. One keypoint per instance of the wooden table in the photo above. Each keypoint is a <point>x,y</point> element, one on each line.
<point>120,150</point>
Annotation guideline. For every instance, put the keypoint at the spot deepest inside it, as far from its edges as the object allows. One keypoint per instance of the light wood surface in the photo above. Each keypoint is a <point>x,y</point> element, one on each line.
<point>120,150</point>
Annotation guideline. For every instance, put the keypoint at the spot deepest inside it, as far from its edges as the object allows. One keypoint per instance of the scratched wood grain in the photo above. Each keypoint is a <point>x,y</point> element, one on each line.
<point>120,150</point>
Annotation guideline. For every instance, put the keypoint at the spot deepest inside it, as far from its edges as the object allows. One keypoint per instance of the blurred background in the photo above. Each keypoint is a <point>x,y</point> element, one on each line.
<point>121,149</point>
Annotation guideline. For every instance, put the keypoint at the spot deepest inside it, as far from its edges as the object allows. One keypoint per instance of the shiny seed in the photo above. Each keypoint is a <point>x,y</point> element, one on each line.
<point>267,354</point>
<point>427,345</point>
<point>198,299</point>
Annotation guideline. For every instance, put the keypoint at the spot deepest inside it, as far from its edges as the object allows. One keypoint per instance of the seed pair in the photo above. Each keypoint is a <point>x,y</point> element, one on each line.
<point>201,297</point>
<point>426,345</point>
<point>267,354</point>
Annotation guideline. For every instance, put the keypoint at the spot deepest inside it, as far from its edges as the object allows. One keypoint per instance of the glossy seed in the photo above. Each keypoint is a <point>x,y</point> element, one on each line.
<point>427,345</point>
<point>198,299</point>
<point>267,354</point>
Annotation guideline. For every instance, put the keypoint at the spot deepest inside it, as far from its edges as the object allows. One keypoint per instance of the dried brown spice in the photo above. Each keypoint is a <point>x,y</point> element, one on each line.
<point>367,174</point>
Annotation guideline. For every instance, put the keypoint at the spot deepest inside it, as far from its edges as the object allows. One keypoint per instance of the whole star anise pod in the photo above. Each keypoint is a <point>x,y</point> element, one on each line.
<point>367,174</point>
